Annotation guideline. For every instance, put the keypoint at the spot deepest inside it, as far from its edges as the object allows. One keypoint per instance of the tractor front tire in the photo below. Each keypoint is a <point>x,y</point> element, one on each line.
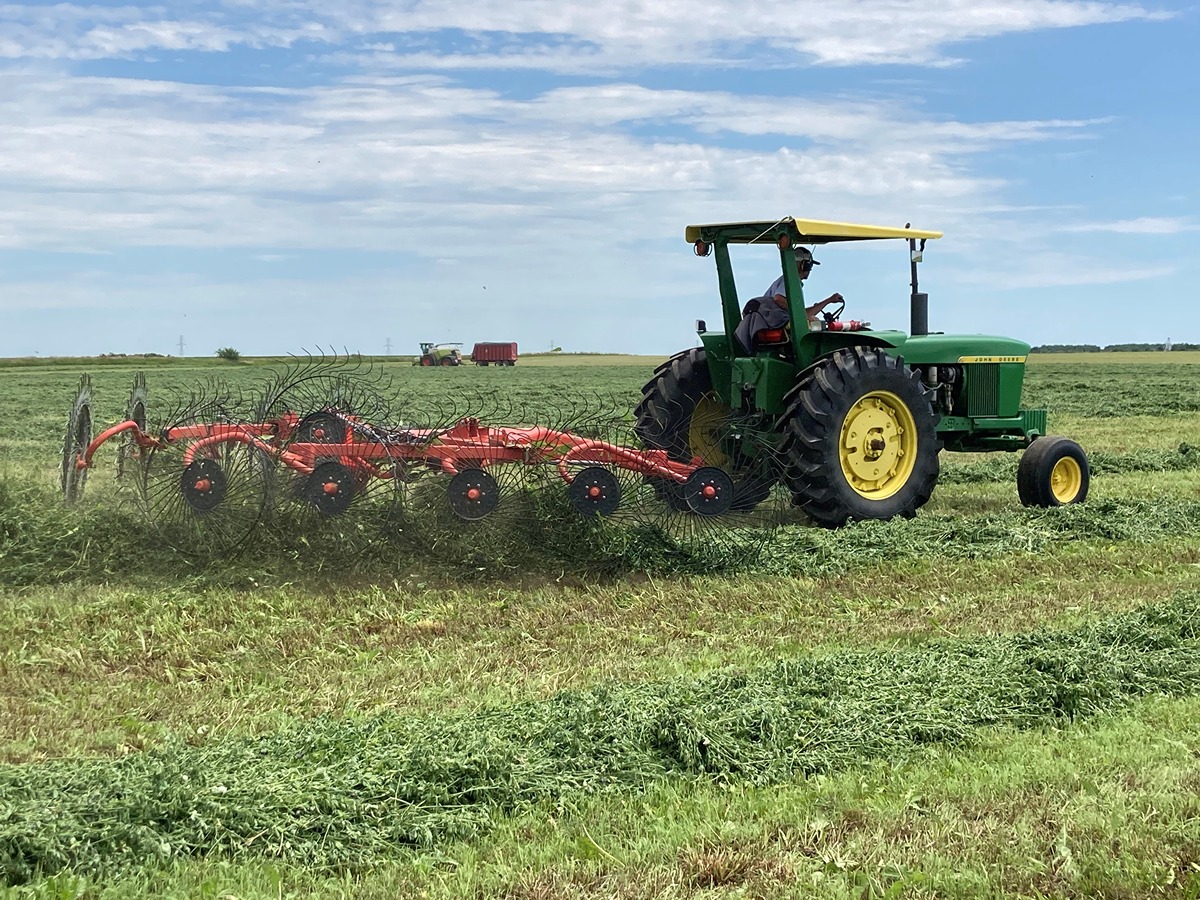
<point>1053,471</point>
<point>859,439</point>
<point>682,414</point>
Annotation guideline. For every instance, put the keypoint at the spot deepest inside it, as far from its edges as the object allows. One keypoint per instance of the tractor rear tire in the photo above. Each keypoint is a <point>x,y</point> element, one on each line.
<point>1053,471</point>
<point>859,439</point>
<point>682,414</point>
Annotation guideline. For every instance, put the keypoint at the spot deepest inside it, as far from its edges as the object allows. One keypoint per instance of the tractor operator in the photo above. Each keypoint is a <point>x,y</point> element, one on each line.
<point>771,309</point>
<point>804,266</point>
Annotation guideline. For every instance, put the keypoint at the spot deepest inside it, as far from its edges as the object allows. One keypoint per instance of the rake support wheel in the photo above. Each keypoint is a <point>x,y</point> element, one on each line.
<point>75,442</point>
<point>682,414</point>
<point>859,439</point>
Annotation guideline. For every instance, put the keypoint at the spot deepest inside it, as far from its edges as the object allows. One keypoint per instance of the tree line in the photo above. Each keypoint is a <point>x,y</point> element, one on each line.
<point>1111,348</point>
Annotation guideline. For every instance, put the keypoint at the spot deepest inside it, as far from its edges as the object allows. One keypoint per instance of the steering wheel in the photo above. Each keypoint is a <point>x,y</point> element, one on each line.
<point>837,311</point>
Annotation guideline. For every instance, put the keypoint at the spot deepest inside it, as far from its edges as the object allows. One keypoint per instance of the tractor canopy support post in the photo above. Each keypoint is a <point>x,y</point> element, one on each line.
<point>919,301</point>
<point>729,298</point>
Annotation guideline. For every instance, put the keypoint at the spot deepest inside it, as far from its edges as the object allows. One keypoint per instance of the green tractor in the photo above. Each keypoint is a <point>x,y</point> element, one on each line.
<point>849,419</point>
<point>439,355</point>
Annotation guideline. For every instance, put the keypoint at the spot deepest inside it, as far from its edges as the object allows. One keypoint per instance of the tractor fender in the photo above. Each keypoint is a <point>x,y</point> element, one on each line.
<point>814,346</point>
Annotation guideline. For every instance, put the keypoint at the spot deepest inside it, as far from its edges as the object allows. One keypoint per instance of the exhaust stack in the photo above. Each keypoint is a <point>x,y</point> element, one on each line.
<point>919,301</point>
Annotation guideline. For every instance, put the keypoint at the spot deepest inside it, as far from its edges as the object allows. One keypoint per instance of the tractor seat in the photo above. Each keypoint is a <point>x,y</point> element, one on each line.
<point>763,325</point>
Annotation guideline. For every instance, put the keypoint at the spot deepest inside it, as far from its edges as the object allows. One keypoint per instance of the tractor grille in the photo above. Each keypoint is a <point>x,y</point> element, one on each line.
<point>983,389</point>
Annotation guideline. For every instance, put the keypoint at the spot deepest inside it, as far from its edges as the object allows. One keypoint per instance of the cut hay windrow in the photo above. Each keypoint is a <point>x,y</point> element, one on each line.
<point>1114,390</point>
<point>43,543</point>
<point>814,552</point>
<point>344,793</point>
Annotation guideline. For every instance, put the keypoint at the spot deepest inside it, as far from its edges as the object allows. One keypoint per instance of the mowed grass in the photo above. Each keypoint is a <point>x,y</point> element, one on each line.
<point>111,662</point>
<point>1100,809</point>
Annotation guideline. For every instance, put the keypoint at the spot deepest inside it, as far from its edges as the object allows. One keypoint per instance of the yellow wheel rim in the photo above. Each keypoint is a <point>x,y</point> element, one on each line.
<point>1066,480</point>
<point>878,445</point>
<point>704,430</point>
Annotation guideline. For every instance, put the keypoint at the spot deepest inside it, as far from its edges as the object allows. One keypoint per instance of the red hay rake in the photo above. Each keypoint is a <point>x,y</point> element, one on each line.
<point>337,453</point>
<point>331,456</point>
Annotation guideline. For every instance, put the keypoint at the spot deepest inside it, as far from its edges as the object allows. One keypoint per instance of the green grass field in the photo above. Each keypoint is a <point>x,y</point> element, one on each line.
<point>984,701</point>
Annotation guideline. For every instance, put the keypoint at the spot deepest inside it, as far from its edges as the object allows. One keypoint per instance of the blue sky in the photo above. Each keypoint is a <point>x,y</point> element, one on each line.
<point>276,175</point>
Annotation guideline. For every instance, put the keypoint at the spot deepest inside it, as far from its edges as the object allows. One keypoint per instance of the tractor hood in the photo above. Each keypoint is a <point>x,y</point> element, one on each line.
<point>948,349</point>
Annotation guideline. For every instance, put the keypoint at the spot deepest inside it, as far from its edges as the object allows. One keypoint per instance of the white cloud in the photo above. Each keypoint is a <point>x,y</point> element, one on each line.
<point>1141,225</point>
<point>97,162</point>
<point>1059,270</point>
<point>762,32</point>
<point>567,35</point>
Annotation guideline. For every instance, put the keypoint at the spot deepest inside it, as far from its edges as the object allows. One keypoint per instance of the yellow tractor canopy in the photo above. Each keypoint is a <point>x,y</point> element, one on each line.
<point>806,231</point>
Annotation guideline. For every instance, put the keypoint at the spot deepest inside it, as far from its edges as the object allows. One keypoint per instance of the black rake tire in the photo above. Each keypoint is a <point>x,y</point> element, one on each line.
<point>1053,471</point>
<point>678,397</point>
<point>859,439</point>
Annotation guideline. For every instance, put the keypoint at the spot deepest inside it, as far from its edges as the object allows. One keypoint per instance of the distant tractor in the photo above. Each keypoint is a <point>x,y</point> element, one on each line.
<point>439,355</point>
<point>495,354</point>
<point>850,420</point>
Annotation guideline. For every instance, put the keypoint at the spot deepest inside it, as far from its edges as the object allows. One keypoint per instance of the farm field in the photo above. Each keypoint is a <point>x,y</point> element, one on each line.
<point>983,701</point>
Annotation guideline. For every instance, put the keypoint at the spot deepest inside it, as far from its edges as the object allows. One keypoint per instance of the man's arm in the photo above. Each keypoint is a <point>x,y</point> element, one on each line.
<point>811,311</point>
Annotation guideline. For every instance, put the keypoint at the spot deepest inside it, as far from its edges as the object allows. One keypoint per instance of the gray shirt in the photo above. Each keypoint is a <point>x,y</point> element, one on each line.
<point>776,288</point>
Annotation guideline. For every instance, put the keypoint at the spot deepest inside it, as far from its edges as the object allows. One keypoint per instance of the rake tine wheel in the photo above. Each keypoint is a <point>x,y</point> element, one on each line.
<point>312,383</point>
<point>729,505</point>
<point>128,452</point>
<point>334,478</point>
<point>203,490</point>
<point>600,488</point>
<point>337,479</point>
<point>484,512</point>
<point>75,442</point>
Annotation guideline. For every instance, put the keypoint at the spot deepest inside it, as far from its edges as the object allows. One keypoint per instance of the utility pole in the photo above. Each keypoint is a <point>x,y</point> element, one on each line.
<point>387,346</point>
<point>181,345</point>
